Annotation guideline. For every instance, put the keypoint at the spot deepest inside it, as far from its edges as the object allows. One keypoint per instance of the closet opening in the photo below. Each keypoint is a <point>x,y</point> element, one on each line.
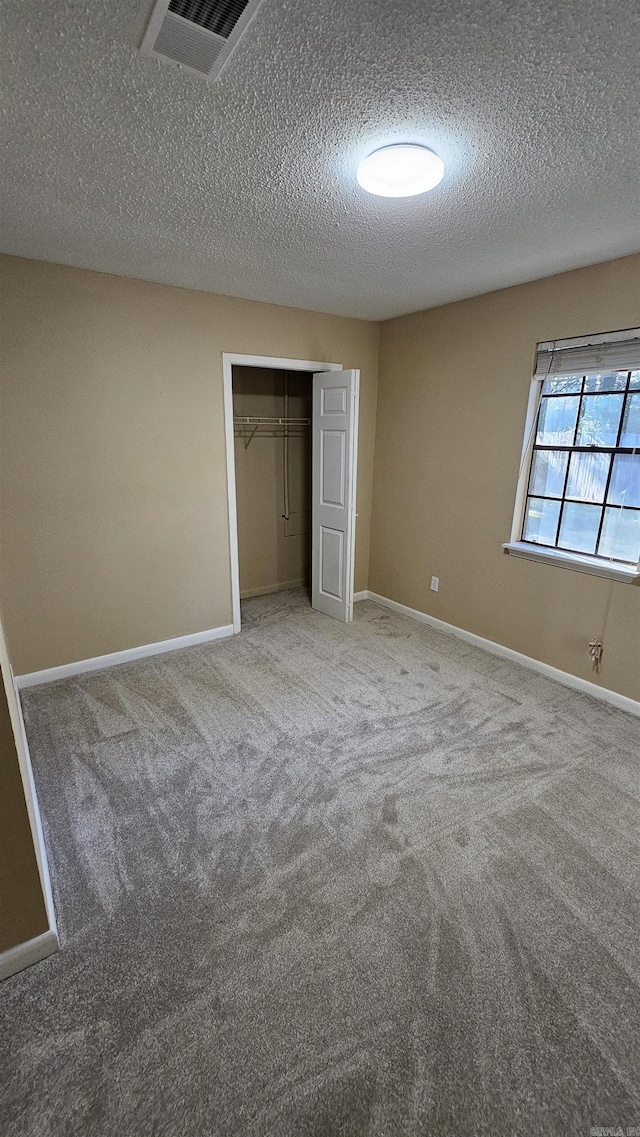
<point>272,412</point>
<point>291,429</point>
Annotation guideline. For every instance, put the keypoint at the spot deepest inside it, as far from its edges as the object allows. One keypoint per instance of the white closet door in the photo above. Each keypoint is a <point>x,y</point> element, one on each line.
<point>335,442</point>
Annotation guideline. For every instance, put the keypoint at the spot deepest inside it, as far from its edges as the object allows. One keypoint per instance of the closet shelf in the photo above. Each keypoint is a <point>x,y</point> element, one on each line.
<point>252,420</point>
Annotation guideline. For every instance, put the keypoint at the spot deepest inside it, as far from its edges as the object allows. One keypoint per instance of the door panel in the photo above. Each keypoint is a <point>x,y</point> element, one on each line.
<point>335,426</point>
<point>334,400</point>
<point>333,473</point>
<point>331,555</point>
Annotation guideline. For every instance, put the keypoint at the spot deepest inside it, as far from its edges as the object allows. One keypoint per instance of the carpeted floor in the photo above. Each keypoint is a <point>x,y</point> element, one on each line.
<point>328,880</point>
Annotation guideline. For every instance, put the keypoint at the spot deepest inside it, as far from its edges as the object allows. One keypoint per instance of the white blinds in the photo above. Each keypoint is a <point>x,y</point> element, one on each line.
<point>620,355</point>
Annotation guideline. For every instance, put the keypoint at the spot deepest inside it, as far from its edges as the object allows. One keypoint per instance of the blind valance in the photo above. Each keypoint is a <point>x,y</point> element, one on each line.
<point>619,355</point>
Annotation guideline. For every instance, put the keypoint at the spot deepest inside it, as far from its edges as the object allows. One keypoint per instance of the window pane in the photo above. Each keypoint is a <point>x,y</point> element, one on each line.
<point>567,386</point>
<point>557,420</point>
<point>635,381</point>
<point>607,381</point>
<point>624,488</point>
<point>631,424</point>
<point>548,471</point>
<point>579,527</point>
<point>620,535</point>
<point>541,521</point>
<point>599,420</point>
<point>588,475</point>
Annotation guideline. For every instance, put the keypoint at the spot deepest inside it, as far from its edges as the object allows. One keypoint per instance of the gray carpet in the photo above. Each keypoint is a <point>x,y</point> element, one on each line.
<point>322,880</point>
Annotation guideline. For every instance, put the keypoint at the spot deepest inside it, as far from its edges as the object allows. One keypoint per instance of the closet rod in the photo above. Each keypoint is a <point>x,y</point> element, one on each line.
<point>252,420</point>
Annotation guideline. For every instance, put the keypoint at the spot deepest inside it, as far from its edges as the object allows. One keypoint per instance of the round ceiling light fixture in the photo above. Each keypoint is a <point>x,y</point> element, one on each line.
<point>402,170</point>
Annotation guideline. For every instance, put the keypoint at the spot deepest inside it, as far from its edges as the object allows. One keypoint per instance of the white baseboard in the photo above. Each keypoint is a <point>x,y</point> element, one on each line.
<point>621,702</point>
<point>361,596</point>
<point>67,670</point>
<point>23,955</point>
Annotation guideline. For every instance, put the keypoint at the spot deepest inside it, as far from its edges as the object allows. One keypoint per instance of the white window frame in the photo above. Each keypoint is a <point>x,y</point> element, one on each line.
<point>595,566</point>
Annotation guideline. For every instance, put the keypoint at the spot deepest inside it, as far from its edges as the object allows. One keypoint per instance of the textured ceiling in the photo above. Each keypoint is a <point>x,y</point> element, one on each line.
<point>246,186</point>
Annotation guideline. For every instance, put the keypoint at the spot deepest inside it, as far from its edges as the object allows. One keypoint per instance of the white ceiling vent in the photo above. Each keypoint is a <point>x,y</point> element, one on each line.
<point>198,35</point>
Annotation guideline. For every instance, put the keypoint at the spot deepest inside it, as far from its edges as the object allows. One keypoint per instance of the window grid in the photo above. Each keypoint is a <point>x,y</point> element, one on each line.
<point>573,448</point>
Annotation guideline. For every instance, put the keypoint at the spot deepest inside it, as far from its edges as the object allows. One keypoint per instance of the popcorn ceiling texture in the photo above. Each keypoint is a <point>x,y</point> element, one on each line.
<point>120,163</point>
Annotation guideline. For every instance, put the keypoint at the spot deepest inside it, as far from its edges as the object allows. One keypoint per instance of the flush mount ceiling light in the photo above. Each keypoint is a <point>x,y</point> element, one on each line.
<point>402,170</point>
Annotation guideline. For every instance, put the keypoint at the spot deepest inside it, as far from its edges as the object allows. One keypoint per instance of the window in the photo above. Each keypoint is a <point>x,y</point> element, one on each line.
<point>579,497</point>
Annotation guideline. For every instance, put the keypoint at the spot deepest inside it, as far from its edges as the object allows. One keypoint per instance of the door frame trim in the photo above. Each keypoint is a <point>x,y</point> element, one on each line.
<point>229,361</point>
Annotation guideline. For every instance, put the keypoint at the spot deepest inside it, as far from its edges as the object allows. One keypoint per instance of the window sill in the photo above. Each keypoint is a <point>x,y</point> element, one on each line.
<point>627,574</point>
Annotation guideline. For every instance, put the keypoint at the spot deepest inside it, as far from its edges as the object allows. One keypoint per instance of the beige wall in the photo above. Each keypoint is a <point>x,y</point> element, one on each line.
<point>453,390</point>
<point>114,507</point>
<point>22,911</point>
<point>273,552</point>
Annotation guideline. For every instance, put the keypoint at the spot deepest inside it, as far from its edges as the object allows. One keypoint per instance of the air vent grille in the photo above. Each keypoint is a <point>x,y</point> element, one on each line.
<point>219,16</point>
<point>197,35</point>
<point>184,44</point>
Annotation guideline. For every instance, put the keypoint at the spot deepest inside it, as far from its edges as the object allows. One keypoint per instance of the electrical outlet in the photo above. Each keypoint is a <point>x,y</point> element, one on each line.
<point>595,651</point>
<point>435,583</point>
